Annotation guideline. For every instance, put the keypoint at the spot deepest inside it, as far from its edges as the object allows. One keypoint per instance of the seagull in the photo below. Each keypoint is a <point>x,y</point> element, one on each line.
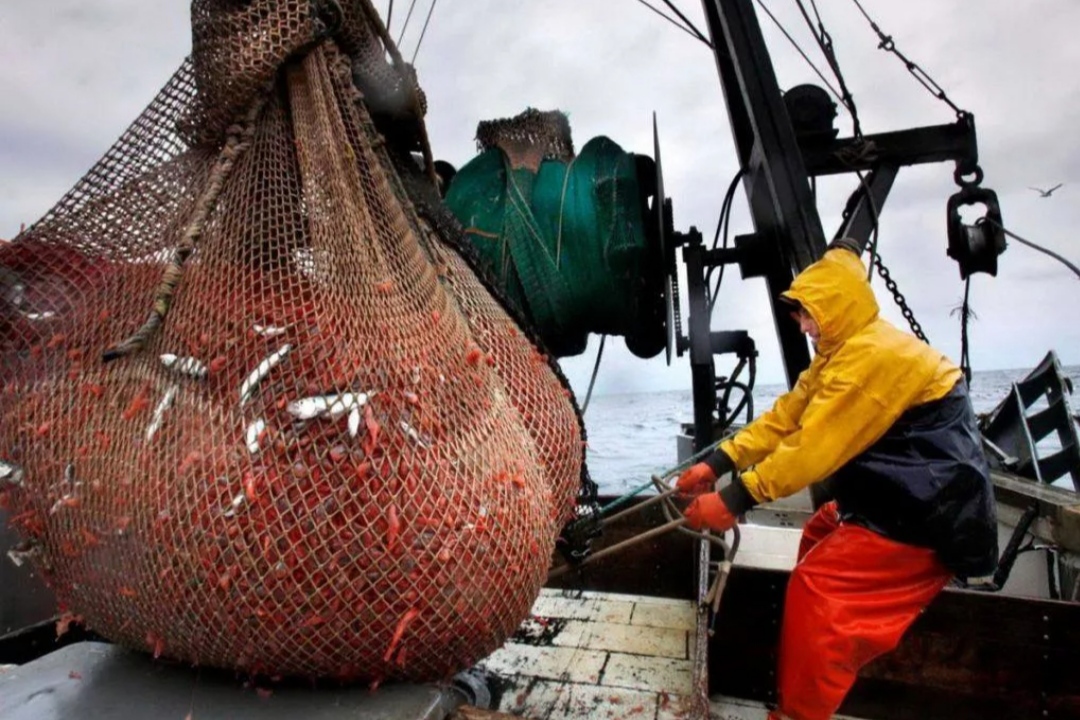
<point>1046,193</point>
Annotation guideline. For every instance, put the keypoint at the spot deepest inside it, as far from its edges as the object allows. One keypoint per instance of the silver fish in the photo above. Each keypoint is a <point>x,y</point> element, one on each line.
<point>60,503</point>
<point>10,474</point>
<point>22,553</point>
<point>269,330</point>
<point>185,365</point>
<point>354,422</point>
<point>37,316</point>
<point>235,505</point>
<point>69,475</point>
<point>17,294</point>
<point>160,410</point>
<point>254,430</point>
<point>329,406</point>
<point>247,388</point>
<point>414,435</point>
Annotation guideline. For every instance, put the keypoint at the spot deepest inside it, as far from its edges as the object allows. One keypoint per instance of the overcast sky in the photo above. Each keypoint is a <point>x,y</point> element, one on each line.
<point>74,74</point>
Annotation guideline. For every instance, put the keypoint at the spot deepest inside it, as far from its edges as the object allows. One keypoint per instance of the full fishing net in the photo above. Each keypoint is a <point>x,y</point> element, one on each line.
<point>258,408</point>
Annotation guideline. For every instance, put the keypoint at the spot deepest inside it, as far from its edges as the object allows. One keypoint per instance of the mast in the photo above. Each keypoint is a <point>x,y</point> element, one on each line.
<point>777,163</point>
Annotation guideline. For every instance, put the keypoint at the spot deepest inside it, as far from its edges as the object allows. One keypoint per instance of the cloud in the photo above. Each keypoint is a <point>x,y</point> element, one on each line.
<point>76,75</point>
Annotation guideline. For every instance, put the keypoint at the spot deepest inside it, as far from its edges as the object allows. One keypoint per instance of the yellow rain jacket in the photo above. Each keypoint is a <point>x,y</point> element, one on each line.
<point>865,375</point>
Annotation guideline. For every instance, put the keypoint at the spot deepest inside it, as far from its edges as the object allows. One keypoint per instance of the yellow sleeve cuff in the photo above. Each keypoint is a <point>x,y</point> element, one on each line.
<point>752,481</point>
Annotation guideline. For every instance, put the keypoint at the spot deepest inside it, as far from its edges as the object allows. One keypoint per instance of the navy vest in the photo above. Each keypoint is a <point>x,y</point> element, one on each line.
<point>926,482</point>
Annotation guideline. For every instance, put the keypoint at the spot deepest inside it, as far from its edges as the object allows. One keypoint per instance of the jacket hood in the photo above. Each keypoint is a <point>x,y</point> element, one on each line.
<point>835,292</point>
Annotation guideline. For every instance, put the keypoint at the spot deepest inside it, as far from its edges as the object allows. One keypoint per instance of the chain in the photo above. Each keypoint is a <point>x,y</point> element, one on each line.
<point>898,296</point>
<point>888,45</point>
<point>677,312</point>
<point>824,41</point>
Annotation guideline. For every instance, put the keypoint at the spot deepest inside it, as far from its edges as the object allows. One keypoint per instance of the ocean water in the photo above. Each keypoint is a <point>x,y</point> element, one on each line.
<point>633,436</point>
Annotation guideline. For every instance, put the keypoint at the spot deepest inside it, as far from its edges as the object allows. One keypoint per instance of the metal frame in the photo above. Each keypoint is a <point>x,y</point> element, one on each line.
<point>936,143</point>
<point>789,235</point>
<point>777,169</point>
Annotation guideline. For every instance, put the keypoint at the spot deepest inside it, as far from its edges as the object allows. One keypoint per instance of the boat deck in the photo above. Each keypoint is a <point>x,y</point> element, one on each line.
<point>598,655</point>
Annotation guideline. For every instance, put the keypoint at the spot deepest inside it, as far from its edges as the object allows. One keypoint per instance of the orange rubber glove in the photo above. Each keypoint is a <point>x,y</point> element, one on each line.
<point>696,479</point>
<point>710,511</point>
<point>700,478</point>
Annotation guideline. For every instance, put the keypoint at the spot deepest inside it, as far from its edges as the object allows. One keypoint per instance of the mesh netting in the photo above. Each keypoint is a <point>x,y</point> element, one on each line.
<point>330,451</point>
<point>528,138</point>
<point>565,235</point>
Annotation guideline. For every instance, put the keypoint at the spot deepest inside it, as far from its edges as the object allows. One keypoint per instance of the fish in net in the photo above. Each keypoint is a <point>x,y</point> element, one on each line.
<point>260,409</point>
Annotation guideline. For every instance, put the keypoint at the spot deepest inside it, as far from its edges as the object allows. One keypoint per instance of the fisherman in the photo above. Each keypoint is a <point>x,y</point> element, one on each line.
<point>887,419</point>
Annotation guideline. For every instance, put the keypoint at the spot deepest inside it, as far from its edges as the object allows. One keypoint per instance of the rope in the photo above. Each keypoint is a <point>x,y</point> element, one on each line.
<point>675,520</point>
<point>747,388</point>
<point>685,29</point>
<point>389,14</point>
<point>824,41</point>
<point>875,231</point>
<point>596,367</point>
<point>408,16</point>
<point>687,21</point>
<point>965,315</point>
<point>805,57</point>
<point>671,472</point>
<point>409,78</point>
<point>888,45</point>
<point>725,223</point>
<point>1040,248</point>
<point>424,31</point>
<point>238,140</point>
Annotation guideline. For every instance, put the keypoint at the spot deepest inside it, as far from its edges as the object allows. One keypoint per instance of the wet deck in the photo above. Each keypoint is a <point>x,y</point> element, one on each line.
<point>600,655</point>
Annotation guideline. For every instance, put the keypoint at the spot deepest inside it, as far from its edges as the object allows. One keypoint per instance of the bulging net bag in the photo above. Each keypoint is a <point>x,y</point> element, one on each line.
<point>330,450</point>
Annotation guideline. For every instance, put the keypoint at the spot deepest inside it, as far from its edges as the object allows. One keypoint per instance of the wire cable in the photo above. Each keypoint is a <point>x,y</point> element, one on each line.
<point>805,57</point>
<point>408,16</point>
<point>423,32</point>
<point>874,233</point>
<point>677,24</point>
<point>1040,248</point>
<point>592,382</point>
<point>887,44</point>
<point>389,15</point>
<point>725,223</point>
<point>824,41</point>
<point>686,20</point>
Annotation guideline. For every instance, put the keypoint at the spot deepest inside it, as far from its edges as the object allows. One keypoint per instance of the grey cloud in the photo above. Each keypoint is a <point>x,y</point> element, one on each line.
<point>75,75</point>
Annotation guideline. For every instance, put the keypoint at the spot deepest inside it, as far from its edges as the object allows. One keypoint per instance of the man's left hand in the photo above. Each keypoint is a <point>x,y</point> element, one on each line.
<point>710,511</point>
